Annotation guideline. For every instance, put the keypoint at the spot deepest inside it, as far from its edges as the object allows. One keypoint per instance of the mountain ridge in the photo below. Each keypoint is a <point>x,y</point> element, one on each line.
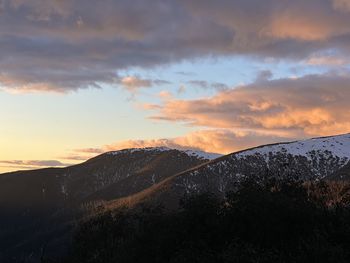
<point>184,178</point>
<point>132,177</point>
<point>31,200</point>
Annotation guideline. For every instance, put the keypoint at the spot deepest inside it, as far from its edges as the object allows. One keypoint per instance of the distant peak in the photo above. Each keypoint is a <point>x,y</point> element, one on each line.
<point>194,153</point>
<point>144,149</point>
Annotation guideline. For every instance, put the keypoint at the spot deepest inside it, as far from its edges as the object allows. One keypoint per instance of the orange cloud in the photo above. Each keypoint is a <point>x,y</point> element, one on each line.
<point>306,22</point>
<point>13,85</point>
<point>10,165</point>
<point>88,150</point>
<point>165,95</point>
<point>327,60</point>
<point>310,105</point>
<point>213,140</point>
<point>77,157</point>
<point>133,83</point>
<point>341,5</point>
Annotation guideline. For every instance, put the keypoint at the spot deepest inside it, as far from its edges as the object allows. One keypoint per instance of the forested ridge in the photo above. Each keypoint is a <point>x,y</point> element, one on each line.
<point>288,221</point>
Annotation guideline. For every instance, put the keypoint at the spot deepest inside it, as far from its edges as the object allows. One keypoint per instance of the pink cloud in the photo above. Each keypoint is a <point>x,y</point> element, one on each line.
<point>212,140</point>
<point>310,105</point>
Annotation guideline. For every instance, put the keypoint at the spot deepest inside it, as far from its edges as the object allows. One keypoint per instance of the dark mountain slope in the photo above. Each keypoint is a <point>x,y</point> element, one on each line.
<point>156,170</point>
<point>47,201</point>
<point>37,207</point>
<point>342,174</point>
<point>137,169</point>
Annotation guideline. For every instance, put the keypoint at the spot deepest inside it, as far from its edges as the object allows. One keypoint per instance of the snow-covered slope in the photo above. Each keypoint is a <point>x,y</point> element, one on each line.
<point>202,155</point>
<point>192,153</point>
<point>133,150</point>
<point>311,159</point>
<point>336,145</point>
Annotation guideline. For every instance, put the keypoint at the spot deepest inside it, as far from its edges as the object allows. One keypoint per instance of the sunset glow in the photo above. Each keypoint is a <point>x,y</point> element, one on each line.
<point>79,78</point>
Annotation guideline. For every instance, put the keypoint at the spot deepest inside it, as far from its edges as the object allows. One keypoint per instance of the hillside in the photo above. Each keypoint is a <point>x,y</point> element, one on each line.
<point>49,201</point>
<point>312,159</point>
<point>342,174</point>
<point>46,201</point>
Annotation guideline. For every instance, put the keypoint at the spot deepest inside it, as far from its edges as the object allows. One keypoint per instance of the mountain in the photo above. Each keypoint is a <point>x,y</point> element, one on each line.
<point>312,159</point>
<point>38,206</point>
<point>135,169</point>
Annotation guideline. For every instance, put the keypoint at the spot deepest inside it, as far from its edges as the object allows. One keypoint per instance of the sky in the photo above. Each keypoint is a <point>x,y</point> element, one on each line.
<point>82,77</point>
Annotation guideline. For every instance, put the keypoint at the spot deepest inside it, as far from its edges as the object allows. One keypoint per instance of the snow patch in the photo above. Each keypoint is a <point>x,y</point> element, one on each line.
<point>193,153</point>
<point>202,155</point>
<point>147,149</point>
<point>336,145</point>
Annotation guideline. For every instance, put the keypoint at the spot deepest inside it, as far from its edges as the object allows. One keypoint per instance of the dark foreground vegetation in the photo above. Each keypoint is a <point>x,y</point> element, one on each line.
<point>273,222</point>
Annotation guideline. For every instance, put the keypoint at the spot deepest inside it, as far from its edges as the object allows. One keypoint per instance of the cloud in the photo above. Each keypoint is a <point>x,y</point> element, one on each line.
<point>342,5</point>
<point>82,154</point>
<point>65,45</point>
<point>77,157</point>
<point>88,150</point>
<point>207,85</point>
<point>214,140</point>
<point>309,105</point>
<point>165,95</point>
<point>181,90</point>
<point>34,163</point>
<point>150,106</point>
<point>133,83</point>
<point>327,60</point>
<point>32,84</point>
<point>275,23</point>
<point>264,75</point>
<point>199,83</point>
<point>53,80</point>
<point>185,73</point>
